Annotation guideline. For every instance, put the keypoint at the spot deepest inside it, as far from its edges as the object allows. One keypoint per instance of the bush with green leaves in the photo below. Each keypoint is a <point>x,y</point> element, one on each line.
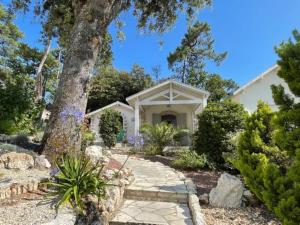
<point>190,160</point>
<point>159,136</point>
<point>217,124</point>
<point>76,180</point>
<point>269,148</point>
<point>110,125</point>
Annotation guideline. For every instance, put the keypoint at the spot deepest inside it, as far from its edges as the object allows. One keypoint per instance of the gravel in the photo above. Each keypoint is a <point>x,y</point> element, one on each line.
<point>25,211</point>
<point>241,216</point>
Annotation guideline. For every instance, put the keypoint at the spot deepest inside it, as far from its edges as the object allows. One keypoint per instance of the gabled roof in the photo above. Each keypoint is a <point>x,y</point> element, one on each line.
<point>267,72</point>
<point>117,103</point>
<point>197,90</point>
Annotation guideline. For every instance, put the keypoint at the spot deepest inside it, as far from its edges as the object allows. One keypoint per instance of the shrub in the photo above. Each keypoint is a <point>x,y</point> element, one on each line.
<point>110,125</point>
<point>160,135</point>
<point>151,150</point>
<point>189,159</point>
<point>268,150</point>
<point>76,180</point>
<point>217,124</point>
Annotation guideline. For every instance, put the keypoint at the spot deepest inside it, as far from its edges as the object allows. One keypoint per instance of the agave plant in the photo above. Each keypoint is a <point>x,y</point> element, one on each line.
<point>161,135</point>
<point>77,178</point>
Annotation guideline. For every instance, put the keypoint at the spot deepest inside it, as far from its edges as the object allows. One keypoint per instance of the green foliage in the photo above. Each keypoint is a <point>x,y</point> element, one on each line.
<point>76,180</point>
<point>189,159</point>
<point>9,36</point>
<point>196,48</point>
<point>110,85</point>
<point>87,136</point>
<point>110,125</point>
<point>152,150</point>
<point>18,69</point>
<point>218,88</point>
<point>216,125</point>
<point>269,148</point>
<point>159,136</point>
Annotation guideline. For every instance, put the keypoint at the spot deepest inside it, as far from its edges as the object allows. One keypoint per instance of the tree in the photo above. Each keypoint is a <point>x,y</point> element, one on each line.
<point>217,124</point>
<point>268,149</point>
<point>88,22</point>
<point>190,57</point>
<point>218,88</point>
<point>18,113</point>
<point>10,36</point>
<point>111,85</point>
<point>109,126</point>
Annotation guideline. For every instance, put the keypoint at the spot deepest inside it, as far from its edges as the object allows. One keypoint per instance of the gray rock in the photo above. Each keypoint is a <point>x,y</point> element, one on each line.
<point>94,152</point>
<point>42,162</point>
<point>249,198</point>
<point>228,193</point>
<point>204,199</point>
<point>14,160</point>
<point>65,216</point>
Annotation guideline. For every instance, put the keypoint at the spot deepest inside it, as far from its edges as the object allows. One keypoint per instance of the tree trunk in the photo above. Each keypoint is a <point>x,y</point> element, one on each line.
<point>39,84</point>
<point>92,20</point>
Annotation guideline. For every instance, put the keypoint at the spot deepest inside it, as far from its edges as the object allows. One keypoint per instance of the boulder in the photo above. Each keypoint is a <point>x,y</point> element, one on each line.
<point>94,152</point>
<point>65,216</point>
<point>228,193</point>
<point>41,162</point>
<point>14,160</point>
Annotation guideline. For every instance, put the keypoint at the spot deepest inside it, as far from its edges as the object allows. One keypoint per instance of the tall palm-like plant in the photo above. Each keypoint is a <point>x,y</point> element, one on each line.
<point>161,135</point>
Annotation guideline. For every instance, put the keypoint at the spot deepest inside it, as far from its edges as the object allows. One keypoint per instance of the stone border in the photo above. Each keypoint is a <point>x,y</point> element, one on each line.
<point>193,200</point>
<point>16,189</point>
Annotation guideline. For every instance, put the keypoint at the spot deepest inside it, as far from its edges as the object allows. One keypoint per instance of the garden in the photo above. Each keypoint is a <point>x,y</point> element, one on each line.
<point>239,168</point>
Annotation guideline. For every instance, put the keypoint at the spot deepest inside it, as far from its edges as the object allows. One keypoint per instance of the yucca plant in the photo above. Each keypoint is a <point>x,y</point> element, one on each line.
<point>77,178</point>
<point>160,135</point>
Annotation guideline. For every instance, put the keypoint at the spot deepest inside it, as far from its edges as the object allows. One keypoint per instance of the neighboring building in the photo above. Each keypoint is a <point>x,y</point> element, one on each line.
<point>171,102</point>
<point>260,89</point>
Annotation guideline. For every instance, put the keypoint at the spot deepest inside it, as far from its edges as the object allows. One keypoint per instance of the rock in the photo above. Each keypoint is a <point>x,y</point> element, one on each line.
<point>250,198</point>
<point>173,150</point>
<point>94,152</point>
<point>204,199</point>
<point>14,160</point>
<point>228,193</point>
<point>65,216</point>
<point>41,162</point>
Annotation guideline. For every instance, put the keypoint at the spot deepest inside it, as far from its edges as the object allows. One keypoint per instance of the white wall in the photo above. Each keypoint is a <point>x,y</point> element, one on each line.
<point>128,118</point>
<point>158,109</point>
<point>260,90</point>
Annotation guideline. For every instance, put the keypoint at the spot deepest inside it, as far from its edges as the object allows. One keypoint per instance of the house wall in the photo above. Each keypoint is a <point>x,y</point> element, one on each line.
<point>147,115</point>
<point>128,121</point>
<point>260,90</point>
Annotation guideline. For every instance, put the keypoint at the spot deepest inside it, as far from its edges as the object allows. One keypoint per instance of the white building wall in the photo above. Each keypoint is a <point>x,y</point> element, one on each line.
<point>128,121</point>
<point>260,90</point>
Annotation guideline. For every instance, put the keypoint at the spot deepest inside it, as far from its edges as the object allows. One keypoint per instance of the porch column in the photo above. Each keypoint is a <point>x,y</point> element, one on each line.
<point>136,117</point>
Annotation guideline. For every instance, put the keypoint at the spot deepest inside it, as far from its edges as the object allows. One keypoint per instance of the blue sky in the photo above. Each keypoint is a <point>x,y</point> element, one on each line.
<point>247,29</point>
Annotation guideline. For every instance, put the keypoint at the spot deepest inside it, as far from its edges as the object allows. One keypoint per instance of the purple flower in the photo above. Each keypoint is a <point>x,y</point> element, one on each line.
<point>72,112</point>
<point>137,140</point>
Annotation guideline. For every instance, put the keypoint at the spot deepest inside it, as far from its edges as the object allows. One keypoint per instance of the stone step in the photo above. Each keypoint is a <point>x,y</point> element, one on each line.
<point>152,213</point>
<point>156,195</point>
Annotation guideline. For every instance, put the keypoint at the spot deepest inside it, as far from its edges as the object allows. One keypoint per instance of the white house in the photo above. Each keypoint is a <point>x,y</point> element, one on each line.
<point>260,89</point>
<point>171,102</point>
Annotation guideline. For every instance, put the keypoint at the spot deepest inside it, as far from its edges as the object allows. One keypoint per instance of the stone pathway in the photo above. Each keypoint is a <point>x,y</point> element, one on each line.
<point>157,196</point>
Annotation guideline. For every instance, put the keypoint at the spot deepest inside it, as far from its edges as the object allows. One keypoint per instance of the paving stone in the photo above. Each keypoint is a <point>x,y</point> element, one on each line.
<point>149,212</point>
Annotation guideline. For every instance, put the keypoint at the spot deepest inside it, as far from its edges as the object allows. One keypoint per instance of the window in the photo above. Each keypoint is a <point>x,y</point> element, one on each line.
<point>169,119</point>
